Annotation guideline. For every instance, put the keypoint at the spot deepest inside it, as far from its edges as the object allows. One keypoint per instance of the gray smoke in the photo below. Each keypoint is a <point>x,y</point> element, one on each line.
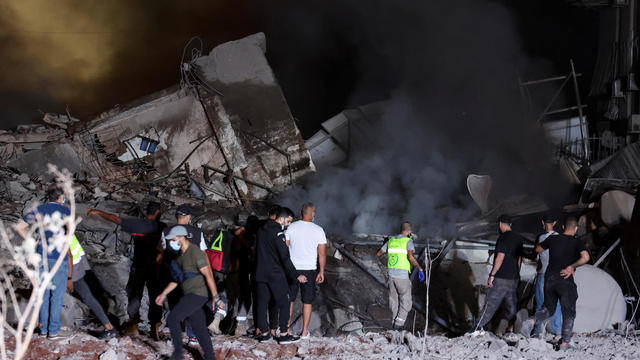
<point>454,109</point>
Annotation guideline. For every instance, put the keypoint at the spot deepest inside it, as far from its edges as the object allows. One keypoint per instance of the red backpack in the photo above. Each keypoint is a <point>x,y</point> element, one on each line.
<point>220,252</point>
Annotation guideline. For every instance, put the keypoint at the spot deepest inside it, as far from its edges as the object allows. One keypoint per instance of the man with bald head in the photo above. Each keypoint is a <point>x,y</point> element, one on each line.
<point>308,247</point>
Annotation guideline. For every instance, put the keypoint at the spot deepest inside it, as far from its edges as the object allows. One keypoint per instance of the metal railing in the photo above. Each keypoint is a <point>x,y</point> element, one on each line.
<point>598,148</point>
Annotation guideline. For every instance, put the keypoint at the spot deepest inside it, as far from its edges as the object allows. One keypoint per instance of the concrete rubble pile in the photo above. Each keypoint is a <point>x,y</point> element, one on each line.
<point>385,345</point>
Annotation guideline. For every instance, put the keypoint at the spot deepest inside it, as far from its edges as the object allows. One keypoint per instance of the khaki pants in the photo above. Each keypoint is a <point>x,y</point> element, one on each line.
<point>399,300</point>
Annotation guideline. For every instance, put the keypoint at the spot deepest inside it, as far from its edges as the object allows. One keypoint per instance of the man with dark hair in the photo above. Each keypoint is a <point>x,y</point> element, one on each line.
<point>145,235</point>
<point>548,222</point>
<point>273,268</point>
<point>53,298</point>
<point>194,275</point>
<point>504,276</point>
<point>566,253</point>
<point>272,212</point>
<point>400,249</point>
<point>308,248</point>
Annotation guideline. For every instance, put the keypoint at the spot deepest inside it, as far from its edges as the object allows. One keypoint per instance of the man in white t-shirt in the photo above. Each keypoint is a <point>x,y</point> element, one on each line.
<point>308,248</point>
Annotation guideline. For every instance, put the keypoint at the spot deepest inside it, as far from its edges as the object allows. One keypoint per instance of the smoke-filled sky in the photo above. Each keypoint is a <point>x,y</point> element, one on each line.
<point>454,109</point>
<point>90,55</point>
<point>448,67</point>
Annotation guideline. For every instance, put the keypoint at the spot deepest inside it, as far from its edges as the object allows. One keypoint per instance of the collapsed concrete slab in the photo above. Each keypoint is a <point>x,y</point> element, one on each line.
<point>237,144</point>
<point>35,162</point>
<point>242,145</point>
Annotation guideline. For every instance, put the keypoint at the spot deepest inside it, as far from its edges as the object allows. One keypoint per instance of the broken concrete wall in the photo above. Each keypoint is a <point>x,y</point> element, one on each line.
<point>35,162</point>
<point>174,121</point>
<point>248,132</point>
<point>257,111</point>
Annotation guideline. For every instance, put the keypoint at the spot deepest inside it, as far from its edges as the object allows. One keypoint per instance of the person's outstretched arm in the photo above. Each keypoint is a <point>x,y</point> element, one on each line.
<point>105,215</point>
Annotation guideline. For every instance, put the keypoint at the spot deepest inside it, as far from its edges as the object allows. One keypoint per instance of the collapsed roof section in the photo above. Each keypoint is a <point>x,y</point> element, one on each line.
<point>237,142</point>
<point>332,144</point>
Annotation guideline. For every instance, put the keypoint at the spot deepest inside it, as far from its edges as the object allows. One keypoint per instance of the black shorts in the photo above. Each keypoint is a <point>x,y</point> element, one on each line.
<point>307,290</point>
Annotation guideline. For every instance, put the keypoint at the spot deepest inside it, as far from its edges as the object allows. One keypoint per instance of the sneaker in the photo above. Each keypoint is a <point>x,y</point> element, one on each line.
<point>510,337</point>
<point>62,333</point>
<point>475,333</point>
<point>566,346</point>
<point>263,338</point>
<point>107,334</point>
<point>192,341</point>
<point>305,337</point>
<point>288,339</point>
<point>527,327</point>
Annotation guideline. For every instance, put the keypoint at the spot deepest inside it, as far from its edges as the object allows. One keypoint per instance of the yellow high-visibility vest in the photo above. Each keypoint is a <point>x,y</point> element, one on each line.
<point>76,249</point>
<point>397,257</point>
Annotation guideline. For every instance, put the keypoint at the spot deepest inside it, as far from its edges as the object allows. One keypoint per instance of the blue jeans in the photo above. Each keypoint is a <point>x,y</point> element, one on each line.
<point>53,300</point>
<point>556,319</point>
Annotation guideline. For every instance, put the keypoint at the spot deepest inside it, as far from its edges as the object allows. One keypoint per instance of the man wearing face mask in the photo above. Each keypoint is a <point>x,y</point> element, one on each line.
<point>167,254</point>
<point>196,280</point>
<point>273,268</point>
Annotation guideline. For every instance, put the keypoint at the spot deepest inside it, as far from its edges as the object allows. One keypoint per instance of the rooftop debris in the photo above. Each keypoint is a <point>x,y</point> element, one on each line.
<point>248,134</point>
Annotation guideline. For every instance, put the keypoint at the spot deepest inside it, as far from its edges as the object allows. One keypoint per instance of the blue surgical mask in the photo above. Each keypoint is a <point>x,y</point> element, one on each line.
<point>174,245</point>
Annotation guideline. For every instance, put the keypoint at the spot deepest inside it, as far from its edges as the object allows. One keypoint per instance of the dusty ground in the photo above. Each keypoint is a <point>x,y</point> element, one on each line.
<point>390,345</point>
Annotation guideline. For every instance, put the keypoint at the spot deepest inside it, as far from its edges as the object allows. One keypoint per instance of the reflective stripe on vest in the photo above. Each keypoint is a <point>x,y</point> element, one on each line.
<point>76,249</point>
<point>397,254</point>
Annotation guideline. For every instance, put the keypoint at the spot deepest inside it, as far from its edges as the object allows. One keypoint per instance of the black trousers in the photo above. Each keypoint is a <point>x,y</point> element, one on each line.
<point>278,292</point>
<point>139,278</point>
<point>273,309</point>
<point>190,307</point>
<point>557,288</point>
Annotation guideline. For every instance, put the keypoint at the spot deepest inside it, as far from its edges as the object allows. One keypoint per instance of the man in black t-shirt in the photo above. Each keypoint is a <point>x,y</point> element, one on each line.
<point>145,236</point>
<point>505,274</point>
<point>566,253</point>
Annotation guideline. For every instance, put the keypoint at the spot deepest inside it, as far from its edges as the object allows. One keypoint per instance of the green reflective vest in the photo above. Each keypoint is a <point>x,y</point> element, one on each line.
<point>76,249</point>
<point>397,254</point>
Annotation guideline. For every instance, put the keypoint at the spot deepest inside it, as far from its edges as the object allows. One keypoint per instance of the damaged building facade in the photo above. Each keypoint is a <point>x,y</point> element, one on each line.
<point>224,140</point>
<point>227,128</point>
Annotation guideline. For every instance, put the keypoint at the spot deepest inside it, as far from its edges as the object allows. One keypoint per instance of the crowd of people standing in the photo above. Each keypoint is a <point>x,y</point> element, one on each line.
<point>264,265</point>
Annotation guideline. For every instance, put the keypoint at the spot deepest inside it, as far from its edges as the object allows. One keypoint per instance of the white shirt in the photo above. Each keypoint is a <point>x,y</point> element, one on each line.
<point>304,238</point>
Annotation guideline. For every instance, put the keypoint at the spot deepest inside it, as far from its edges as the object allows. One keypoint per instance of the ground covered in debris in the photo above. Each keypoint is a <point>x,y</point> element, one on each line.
<point>389,345</point>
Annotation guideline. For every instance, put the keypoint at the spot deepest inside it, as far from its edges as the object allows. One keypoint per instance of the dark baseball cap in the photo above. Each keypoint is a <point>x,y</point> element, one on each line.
<point>505,219</point>
<point>184,209</point>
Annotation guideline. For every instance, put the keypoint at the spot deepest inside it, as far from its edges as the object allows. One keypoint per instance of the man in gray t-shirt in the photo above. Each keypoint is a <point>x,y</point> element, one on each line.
<point>399,250</point>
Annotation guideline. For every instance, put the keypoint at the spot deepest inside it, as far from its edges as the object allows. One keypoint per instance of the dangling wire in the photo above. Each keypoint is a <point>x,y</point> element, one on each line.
<point>189,76</point>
